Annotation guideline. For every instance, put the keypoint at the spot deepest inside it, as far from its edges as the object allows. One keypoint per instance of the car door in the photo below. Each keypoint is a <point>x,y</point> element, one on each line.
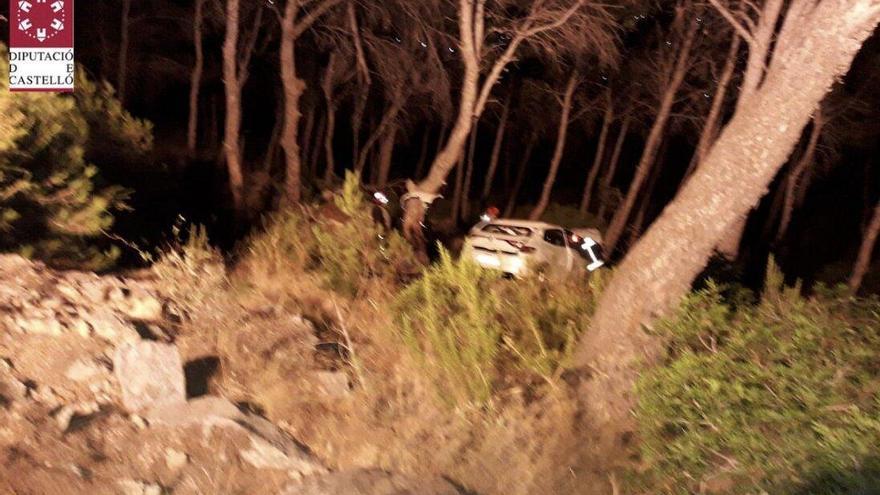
<point>555,246</point>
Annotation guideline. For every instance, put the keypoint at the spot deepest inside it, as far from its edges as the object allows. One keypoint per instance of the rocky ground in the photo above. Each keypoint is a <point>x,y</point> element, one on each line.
<point>96,398</point>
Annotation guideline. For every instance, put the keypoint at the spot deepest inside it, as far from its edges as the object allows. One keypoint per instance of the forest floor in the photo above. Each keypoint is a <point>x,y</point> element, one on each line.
<point>292,390</point>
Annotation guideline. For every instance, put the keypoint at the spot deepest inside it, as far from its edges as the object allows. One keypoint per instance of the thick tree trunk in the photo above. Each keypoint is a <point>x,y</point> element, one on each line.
<point>231,80</point>
<point>608,178</point>
<point>293,89</point>
<point>496,150</point>
<point>863,261</point>
<point>597,158</point>
<point>520,175</point>
<point>386,153</point>
<point>195,81</point>
<point>544,200</point>
<point>649,154</point>
<point>794,175</point>
<point>815,48</point>
<point>713,120</point>
<point>122,63</point>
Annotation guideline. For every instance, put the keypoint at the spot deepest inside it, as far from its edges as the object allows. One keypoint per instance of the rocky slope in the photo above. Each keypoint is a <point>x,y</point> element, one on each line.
<point>93,399</point>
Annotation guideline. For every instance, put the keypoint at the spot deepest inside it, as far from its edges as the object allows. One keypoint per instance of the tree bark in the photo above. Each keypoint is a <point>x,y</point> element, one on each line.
<point>642,213</point>
<point>816,48</point>
<point>455,215</point>
<point>600,154</point>
<point>121,68</point>
<point>794,175</point>
<point>386,152</point>
<point>520,175</point>
<point>564,119</point>
<point>863,261</point>
<point>496,150</point>
<point>293,90</point>
<point>649,154</point>
<point>608,178</point>
<point>232,132</point>
<point>388,118</point>
<point>195,81</point>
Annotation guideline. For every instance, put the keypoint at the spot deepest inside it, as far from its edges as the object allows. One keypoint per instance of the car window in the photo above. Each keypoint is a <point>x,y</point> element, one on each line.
<point>494,228</point>
<point>555,237</point>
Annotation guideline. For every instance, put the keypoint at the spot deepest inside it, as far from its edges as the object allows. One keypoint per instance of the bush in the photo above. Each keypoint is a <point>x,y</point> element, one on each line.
<point>474,332</point>
<point>54,203</point>
<point>770,396</point>
<point>191,270</point>
<point>355,252</point>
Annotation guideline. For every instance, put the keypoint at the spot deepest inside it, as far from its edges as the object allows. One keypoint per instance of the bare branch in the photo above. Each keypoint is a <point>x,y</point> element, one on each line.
<point>306,22</point>
<point>729,17</point>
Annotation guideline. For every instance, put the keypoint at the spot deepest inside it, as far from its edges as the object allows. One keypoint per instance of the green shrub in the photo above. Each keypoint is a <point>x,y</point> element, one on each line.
<point>474,332</point>
<point>54,201</point>
<point>776,396</point>
<point>355,252</point>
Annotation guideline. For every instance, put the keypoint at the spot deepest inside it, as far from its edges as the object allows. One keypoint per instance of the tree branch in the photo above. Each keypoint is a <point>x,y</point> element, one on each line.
<point>306,22</point>
<point>729,17</point>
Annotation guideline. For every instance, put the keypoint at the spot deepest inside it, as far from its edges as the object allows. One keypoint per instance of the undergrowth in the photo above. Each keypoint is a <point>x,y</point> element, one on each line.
<point>778,397</point>
<point>473,332</point>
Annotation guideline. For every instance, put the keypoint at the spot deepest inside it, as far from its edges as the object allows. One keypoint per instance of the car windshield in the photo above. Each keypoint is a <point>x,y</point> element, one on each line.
<point>494,228</point>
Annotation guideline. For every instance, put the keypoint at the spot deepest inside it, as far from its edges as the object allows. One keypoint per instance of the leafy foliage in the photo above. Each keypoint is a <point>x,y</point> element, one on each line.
<point>774,396</point>
<point>474,332</point>
<point>53,202</point>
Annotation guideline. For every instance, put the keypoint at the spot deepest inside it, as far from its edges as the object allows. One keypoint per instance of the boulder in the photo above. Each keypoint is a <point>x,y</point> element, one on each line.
<point>150,374</point>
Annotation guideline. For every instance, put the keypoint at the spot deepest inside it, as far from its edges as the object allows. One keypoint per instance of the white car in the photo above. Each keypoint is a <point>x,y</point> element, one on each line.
<point>517,246</point>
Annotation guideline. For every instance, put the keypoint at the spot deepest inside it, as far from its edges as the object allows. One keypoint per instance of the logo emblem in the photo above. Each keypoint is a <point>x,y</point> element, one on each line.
<point>41,20</point>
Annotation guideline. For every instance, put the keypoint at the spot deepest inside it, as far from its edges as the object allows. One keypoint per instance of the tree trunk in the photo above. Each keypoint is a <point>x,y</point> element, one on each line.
<point>713,120</point>
<point>232,133</point>
<point>195,81</point>
<point>600,154</point>
<point>456,193</point>
<point>815,49</point>
<point>520,175</point>
<point>645,205</point>
<point>608,179</point>
<point>544,200</point>
<point>496,150</point>
<point>329,133</point>
<point>306,143</point>
<point>386,152</point>
<point>649,154</point>
<point>364,82</point>
<point>794,175</point>
<point>464,208</point>
<point>317,145</point>
<point>388,118</point>
<point>423,154</point>
<point>121,71</point>
<point>863,261</point>
<point>293,89</point>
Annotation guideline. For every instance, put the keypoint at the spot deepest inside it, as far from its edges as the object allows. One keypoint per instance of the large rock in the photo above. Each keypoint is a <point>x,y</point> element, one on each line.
<point>150,374</point>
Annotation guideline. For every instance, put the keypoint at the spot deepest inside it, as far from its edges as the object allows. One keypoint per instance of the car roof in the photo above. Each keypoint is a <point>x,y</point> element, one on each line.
<point>515,222</point>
